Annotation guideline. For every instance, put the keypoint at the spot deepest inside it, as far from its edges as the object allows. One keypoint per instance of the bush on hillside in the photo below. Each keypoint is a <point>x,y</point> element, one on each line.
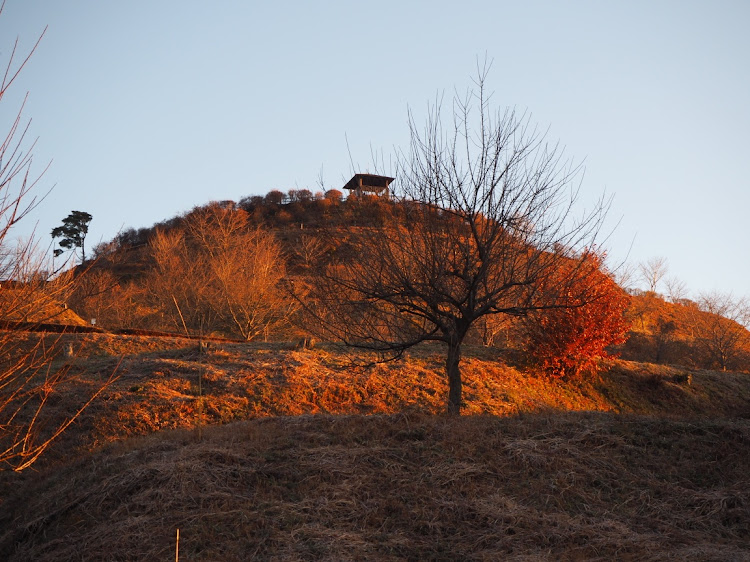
<point>569,341</point>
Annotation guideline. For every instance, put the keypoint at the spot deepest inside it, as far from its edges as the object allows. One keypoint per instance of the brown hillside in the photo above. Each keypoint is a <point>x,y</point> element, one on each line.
<point>680,334</point>
<point>662,332</point>
<point>33,306</point>
<point>405,487</point>
<point>169,383</point>
<point>533,473</point>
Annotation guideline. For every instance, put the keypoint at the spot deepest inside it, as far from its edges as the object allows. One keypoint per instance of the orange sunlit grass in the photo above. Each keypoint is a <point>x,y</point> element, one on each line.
<point>168,383</point>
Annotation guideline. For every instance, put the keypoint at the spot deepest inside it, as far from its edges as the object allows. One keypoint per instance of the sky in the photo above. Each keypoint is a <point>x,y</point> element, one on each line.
<point>146,109</point>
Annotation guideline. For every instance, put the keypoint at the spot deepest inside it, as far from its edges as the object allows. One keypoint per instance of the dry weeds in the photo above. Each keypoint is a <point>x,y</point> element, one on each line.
<point>170,383</point>
<point>583,486</point>
<point>521,479</point>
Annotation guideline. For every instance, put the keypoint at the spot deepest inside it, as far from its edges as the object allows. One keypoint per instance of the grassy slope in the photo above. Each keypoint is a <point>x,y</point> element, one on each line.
<point>567,486</point>
<point>523,481</point>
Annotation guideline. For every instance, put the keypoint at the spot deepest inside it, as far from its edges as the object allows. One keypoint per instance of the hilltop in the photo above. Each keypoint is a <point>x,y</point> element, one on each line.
<point>302,227</point>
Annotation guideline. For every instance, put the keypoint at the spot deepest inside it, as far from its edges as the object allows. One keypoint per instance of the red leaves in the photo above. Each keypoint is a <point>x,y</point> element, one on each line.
<point>586,315</point>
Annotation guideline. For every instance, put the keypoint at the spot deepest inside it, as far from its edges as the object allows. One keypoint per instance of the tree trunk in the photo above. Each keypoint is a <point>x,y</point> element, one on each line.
<point>454,378</point>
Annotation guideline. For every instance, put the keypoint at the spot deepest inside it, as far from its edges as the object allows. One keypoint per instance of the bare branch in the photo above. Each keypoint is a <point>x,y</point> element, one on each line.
<point>482,214</point>
<point>653,271</point>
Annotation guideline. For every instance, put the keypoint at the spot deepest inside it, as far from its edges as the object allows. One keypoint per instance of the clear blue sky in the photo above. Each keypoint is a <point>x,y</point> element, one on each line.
<point>148,108</point>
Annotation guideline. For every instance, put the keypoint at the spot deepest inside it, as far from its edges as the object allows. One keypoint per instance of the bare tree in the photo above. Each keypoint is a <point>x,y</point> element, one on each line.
<point>98,293</point>
<point>309,251</point>
<point>28,374</point>
<point>722,329</point>
<point>244,268</point>
<point>677,290</point>
<point>496,330</point>
<point>219,274</point>
<point>624,275</point>
<point>482,213</point>
<point>653,271</point>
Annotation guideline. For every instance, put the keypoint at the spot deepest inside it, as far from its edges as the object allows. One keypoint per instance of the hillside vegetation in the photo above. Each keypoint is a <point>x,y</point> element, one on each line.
<point>525,476</point>
<point>266,445</point>
<point>165,400</point>
<point>125,287</point>
<point>576,486</point>
<point>168,383</point>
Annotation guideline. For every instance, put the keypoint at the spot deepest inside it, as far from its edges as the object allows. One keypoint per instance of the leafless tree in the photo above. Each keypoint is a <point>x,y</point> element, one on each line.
<point>309,251</point>
<point>482,213</point>
<point>496,330</point>
<point>176,283</point>
<point>625,276</point>
<point>218,274</point>
<point>28,375</point>
<point>652,271</point>
<point>676,289</point>
<point>98,293</point>
<point>722,329</point>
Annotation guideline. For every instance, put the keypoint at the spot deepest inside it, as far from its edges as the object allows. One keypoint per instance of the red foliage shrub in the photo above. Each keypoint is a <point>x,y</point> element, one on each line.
<point>569,341</point>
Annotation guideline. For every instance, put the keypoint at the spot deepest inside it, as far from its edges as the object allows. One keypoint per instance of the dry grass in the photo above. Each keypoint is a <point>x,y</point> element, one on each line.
<point>170,383</point>
<point>32,306</point>
<point>580,486</point>
<point>524,478</point>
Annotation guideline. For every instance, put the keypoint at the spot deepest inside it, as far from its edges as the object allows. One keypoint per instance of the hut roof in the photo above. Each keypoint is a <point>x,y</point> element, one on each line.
<point>368,182</point>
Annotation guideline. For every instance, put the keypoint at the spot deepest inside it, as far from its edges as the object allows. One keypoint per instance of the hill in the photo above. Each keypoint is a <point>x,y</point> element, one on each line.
<point>686,333</point>
<point>276,449</point>
<point>338,461</point>
<point>121,287</point>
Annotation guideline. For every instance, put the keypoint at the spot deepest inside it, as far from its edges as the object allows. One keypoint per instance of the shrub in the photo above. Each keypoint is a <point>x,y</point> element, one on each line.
<point>569,341</point>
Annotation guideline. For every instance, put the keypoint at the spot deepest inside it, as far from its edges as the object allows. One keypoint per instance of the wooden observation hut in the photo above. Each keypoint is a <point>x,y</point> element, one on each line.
<point>362,184</point>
